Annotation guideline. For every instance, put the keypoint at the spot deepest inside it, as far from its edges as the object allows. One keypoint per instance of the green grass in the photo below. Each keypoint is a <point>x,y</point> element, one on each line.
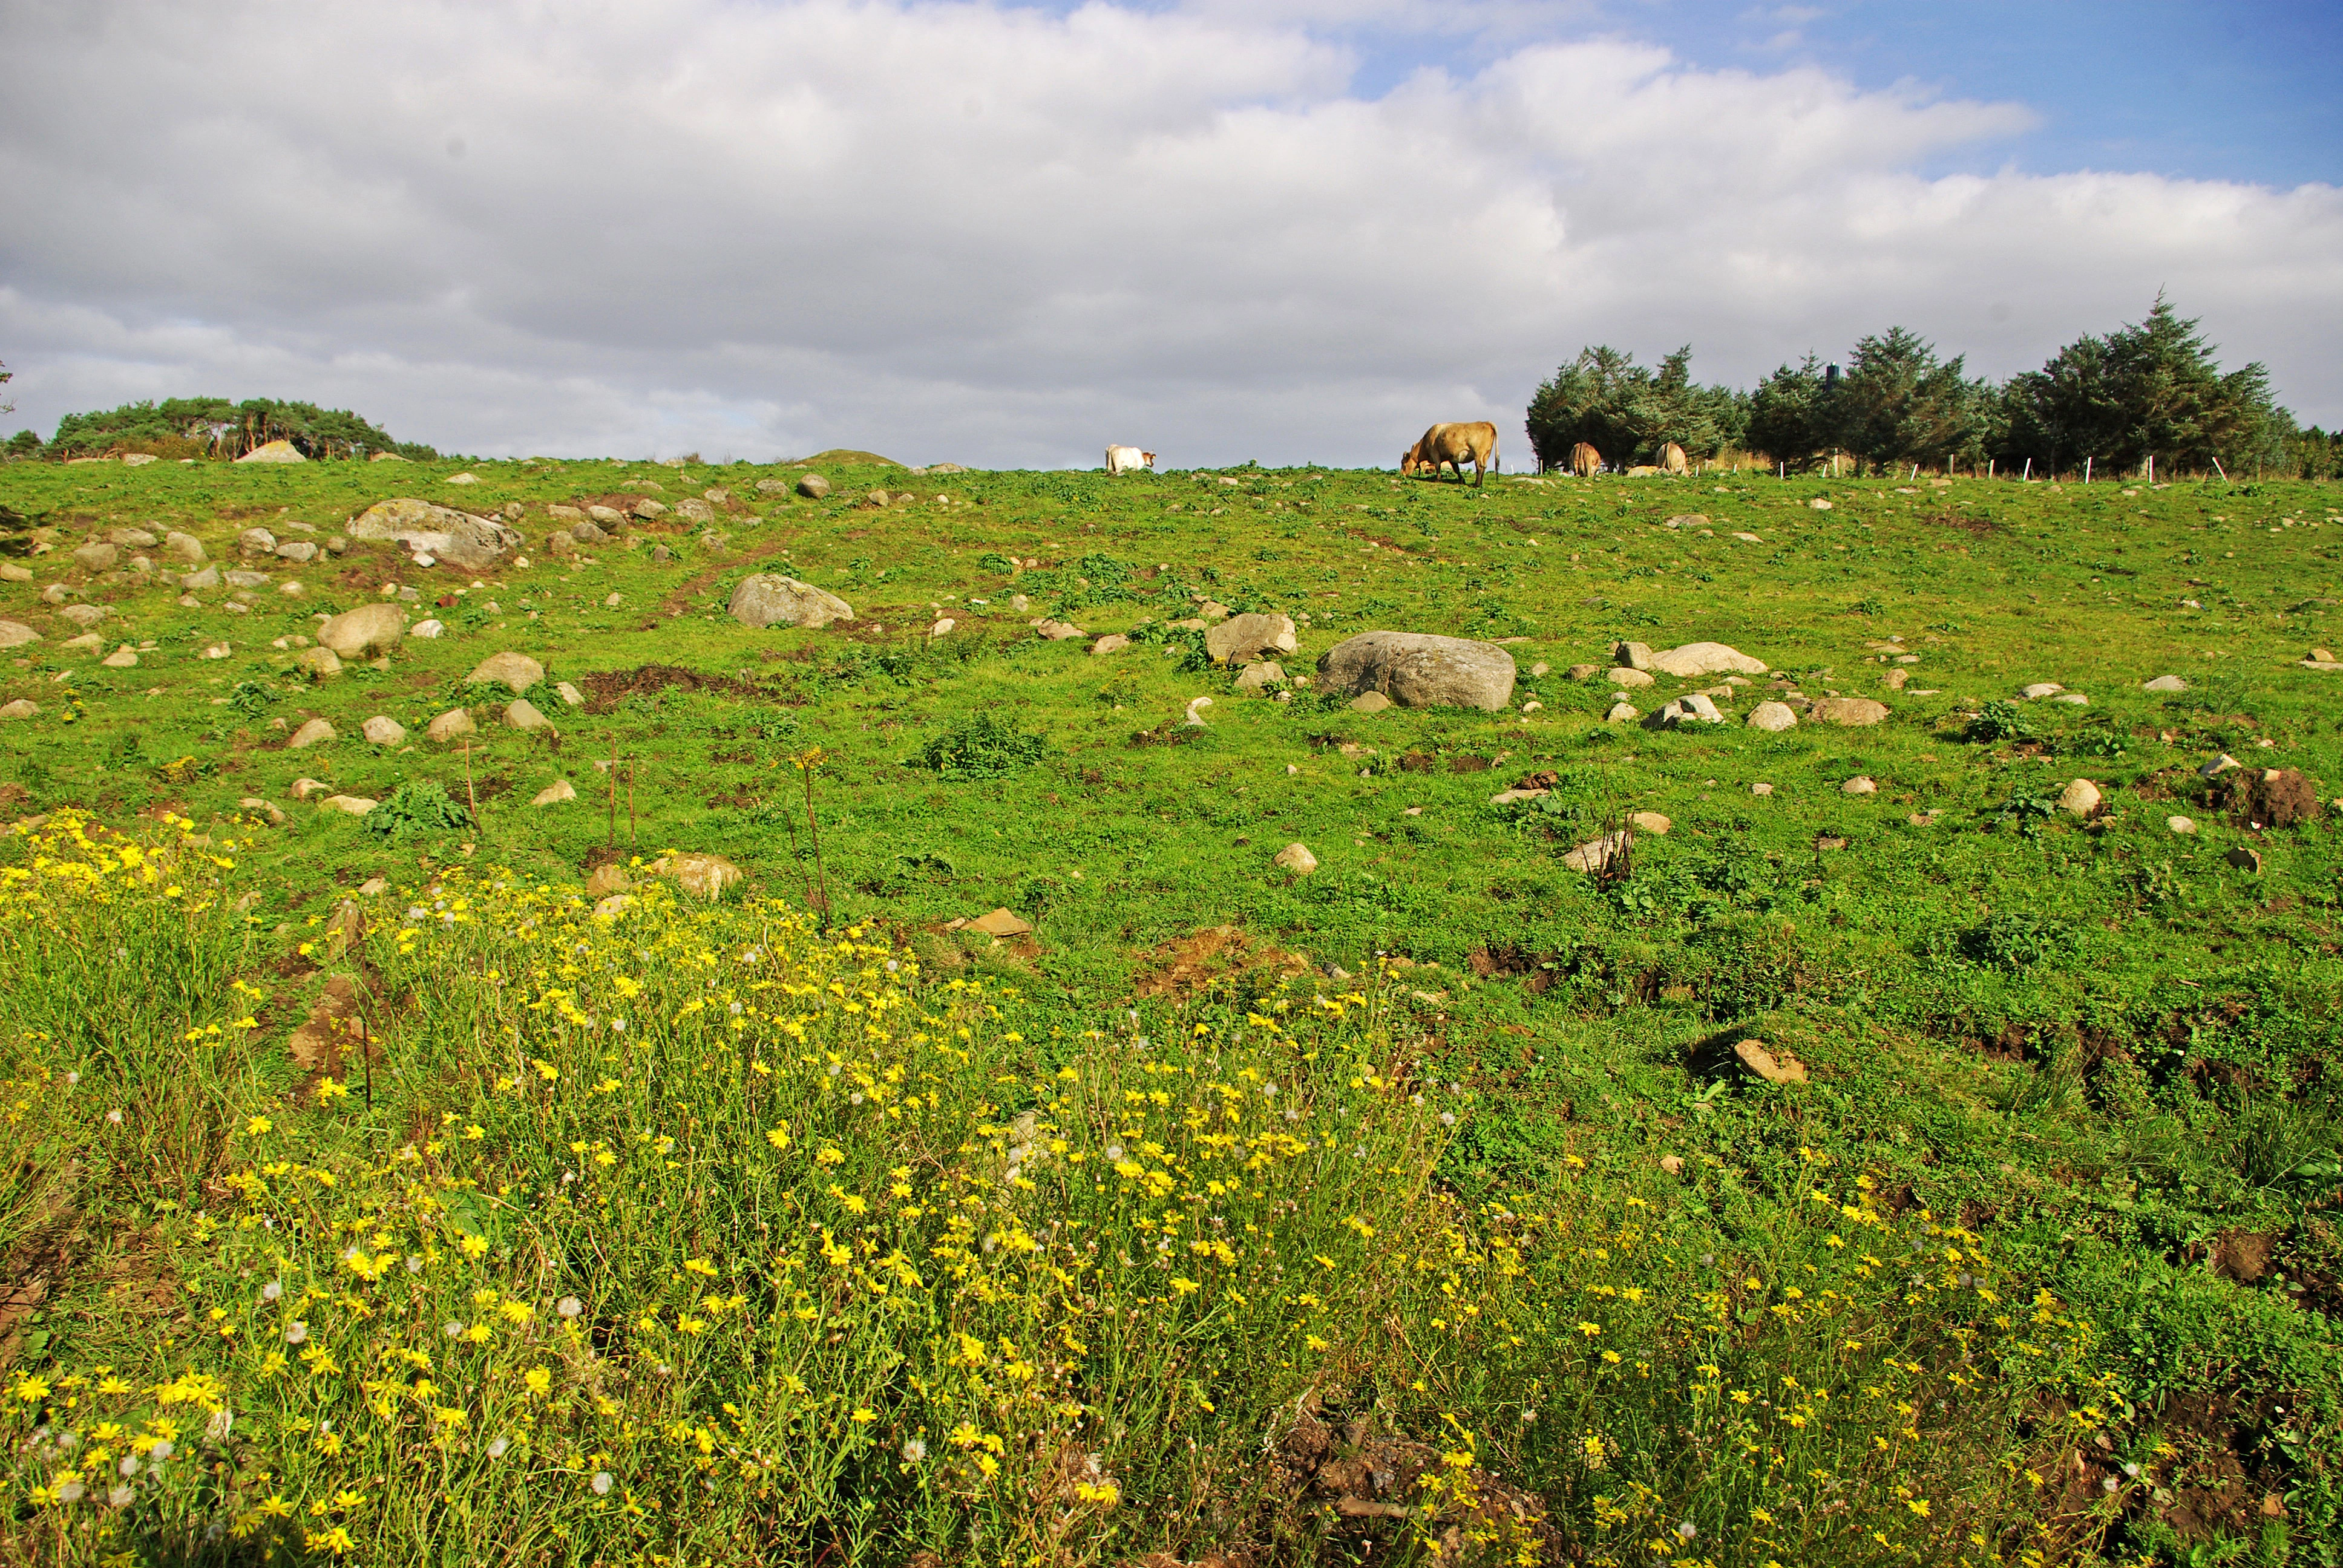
<point>2101,1051</point>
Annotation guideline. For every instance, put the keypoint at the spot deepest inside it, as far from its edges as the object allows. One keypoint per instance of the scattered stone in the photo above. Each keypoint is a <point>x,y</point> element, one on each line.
<point>600,518</point>
<point>1249,637</point>
<point>240,578</point>
<point>22,708</point>
<point>650,511</point>
<point>1855,712</point>
<point>352,804</point>
<point>1196,706</point>
<point>2073,700</point>
<point>447,726</point>
<point>554,793</point>
<point>209,577</point>
<point>1369,702</point>
<point>320,662</point>
<point>373,887</point>
<point>1697,658</point>
<point>999,923</point>
<point>1595,854</point>
<point>291,590</point>
<point>1860,784</point>
<point>944,625</point>
<point>813,487</point>
<point>517,671</point>
<point>1533,706</point>
<point>2080,798</point>
<point>274,452</point>
<point>1059,630</point>
<point>94,557</point>
<point>2180,824</point>
<point>301,551</point>
<point>1673,1164</point>
<point>1112,642</point>
<point>522,714</point>
<point>1820,506</point>
<point>426,628</point>
<point>1623,713</point>
<point>1418,670</point>
<point>1513,796</point>
<point>1695,708</point>
<point>1748,538</point>
<point>570,696</point>
<point>313,733</point>
<point>82,615</point>
<point>1629,679</point>
<point>10,572</point>
<point>360,633</point>
<point>2164,683</point>
<point>1212,609</point>
<point>305,787</point>
<point>2246,858</point>
<point>1761,788</point>
<point>1649,822</point>
<point>1581,671</point>
<point>2041,689</point>
<point>608,878</point>
<point>1773,1066</point>
<point>1773,716</point>
<point>383,731</point>
<point>2219,765</point>
<point>1019,605</point>
<point>701,876</point>
<point>268,809</point>
<point>122,658</point>
<point>768,598</point>
<point>17,634</point>
<point>460,538</point>
<point>1897,678</point>
<point>1295,858</point>
<point>1263,673</point>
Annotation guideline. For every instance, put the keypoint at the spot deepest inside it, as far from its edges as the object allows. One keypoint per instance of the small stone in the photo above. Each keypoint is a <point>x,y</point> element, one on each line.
<point>447,726</point>
<point>1773,1066</point>
<point>10,572</point>
<point>1533,706</point>
<point>2246,858</point>
<point>1196,706</point>
<point>352,804</point>
<point>1623,713</point>
<point>522,714</point>
<point>1897,678</point>
<point>1629,679</point>
<point>88,639</point>
<point>1059,630</point>
<point>292,591</point>
<point>371,629</point>
<point>517,671</point>
<point>813,487</point>
<point>554,793</point>
<point>2164,683</point>
<point>2219,765</point>
<point>2180,824</point>
<point>1112,642</point>
<point>2072,700</point>
<point>82,615</point>
<point>17,634</point>
<point>1855,712</point>
<point>320,662</point>
<point>1649,822</point>
<point>373,887</point>
<point>122,658</point>
<point>1514,797</point>
<point>2041,689</point>
<point>1859,784</point>
<point>608,878</point>
<point>383,731</point>
<point>305,787</point>
<point>1582,671</point>
<point>1820,506</point>
<point>1248,637</point>
<point>268,808</point>
<point>944,625</point>
<point>313,733</point>
<point>2080,798</point>
<point>1540,668</point>
<point>1673,1164</point>
<point>1773,716</point>
<point>1369,702</point>
<point>1633,655</point>
<point>1597,853</point>
<point>1761,788</point>
<point>94,557</point>
<point>1000,923</point>
<point>1259,675</point>
<point>570,696</point>
<point>22,708</point>
<point>1295,858</point>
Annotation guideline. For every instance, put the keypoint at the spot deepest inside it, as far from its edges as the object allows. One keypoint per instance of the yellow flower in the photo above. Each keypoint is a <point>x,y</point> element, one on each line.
<point>778,1137</point>
<point>258,1125</point>
<point>864,1415</point>
<point>539,1379</point>
<point>1182,1286</point>
<point>32,1389</point>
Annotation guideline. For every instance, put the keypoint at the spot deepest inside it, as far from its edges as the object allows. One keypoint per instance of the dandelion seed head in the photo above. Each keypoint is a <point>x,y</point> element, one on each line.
<point>271,1291</point>
<point>120,1497</point>
<point>914,1450</point>
<point>601,1484</point>
<point>569,1306</point>
<point>161,1451</point>
<point>115,1116</point>
<point>296,1332</point>
<point>497,1445</point>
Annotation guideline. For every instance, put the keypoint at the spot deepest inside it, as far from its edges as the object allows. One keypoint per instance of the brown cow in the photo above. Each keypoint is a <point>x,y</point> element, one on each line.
<point>1453,445</point>
<point>1673,459</point>
<point>1584,460</point>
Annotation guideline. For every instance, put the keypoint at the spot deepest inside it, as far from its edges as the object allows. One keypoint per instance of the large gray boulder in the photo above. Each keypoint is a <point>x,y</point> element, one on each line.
<point>768,598</point>
<point>459,538</point>
<point>1249,637</point>
<point>1696,658</point>
<point>1416,669</point>
<point>370,629</point>
<point>517,671</point>
<point>17,634</point>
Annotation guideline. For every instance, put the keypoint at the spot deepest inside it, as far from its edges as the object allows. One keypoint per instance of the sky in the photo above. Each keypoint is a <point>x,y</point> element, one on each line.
<point>1007,235</point>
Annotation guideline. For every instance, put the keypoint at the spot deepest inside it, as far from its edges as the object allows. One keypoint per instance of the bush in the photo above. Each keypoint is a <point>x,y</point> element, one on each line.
<point>983,747</point>
<point>414,808</point>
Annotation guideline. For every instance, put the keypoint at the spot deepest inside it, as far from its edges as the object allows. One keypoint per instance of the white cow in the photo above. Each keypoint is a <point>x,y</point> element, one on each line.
<point>1128,460</point>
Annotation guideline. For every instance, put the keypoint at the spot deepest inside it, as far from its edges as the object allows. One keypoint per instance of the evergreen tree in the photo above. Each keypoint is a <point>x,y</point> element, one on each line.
<point>187,425</point>
<point>1787,418</point>
<point>1899,403</point>
<point>1628,412</point>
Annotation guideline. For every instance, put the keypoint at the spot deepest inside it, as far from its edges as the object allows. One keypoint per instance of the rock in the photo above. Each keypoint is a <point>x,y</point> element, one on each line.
<point>2073,700</point>
<point>2041,689</point>
<point>447,726</point>
<point>1633,655</point>
<point>1581,671</point>
<point>53,594</point>
<point>701,876</point>
<point>1597,853</point>
<point>82,615</point>
<point>604,517</point>
<point>274,452</point>
<point>10,572</point>
<point>371,629</point>
<point>427,629</point>
<point>813,487</point>
<point>692,509</point>
<point>648,510</point>
<point>1897,678</point>
<point>22,708</point>
<point>310,734</point>
<point>1263,673</point>
<point>1112,642</point>
<point>1649,822</point>
<point>353,805</point>
<point>88,639</point>
<point>300,551</point>
<point>2081,797</point>
<point>608,878</point>
<point>1196,706</point>
<point>1761,788</point>
<point>268,809</point>
<point>291,590</point>
<point>209,577</point>
<point>257,541</point>
<point>1819,506</point>
<point>1773,1066</point>
<point>305,787</point>
<point>769,600</point>
<point>1773,716</point>
<point>616,903</point>
<point>1627,678</point>
<point>1860,784</point>
<point>1059,630</point>
<point>460,538</point>
<point>1514,795</point>
<point>1249,637</point>
<point>2164,683</point>
<point>522,714</point>
<point>2180,824</point>
<point>570,696</point>
<point>1295,858</point>
<point>1695,658</point>
<point>1672,1163</point>
<point>1692,708</point>
<point>1419,671</point>
<point>17,634</point>
<point>2219,765</point>
<point>94,557</point>
<point>517,671</point>
<point>122,658</point>
<point>555,793</point>
<point>1748,538</point>
<point>383,731</point>
<point>320,662</point>
<point>1623,713</point>
<point>944,625</point>
<point>1369,702</point>
<point>1855,712</point>
<point>244,579</point>
<point>1212,609</point>
<point>2246,858</point>
<point>373,887</point>
<point>1019,605</point>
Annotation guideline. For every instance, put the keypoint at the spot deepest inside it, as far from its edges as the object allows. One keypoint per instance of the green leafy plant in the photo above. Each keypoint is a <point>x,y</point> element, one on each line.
<point>981,746</point>
<point>414,808</point>
<point>2000,720</point>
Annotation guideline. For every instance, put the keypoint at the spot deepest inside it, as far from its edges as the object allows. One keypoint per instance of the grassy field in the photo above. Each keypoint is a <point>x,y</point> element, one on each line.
<point>384,1195</point>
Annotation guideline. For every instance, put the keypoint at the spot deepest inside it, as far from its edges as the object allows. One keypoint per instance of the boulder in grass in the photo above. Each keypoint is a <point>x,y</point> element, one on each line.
<point>701,876</point>
<point>522,714</point>
<point>383,731</point>
<point>1597,853</point>
<point>1771,1065</point>
<point>1416,669</point>
<point>443,533</point>
<point>1000,923</point>
<point>516,670</point>
<point>1295,858</point>
<point>1855,712</point>
<point>320,662</point>
<point>769,600</point>
<point>1773,716</point>
<point>456,721</point>
<point>17,634</point>
<point>351,805</point>
<point>367,630</point>
<point>1697,658</point>
<point>2079,799</point>
<point>1244,638</point>
<point>555,793</point>
<point>274,452</point>
<point>316,732</point>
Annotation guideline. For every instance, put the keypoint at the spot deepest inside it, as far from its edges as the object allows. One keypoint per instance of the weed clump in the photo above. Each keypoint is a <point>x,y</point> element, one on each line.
<point>981,746</point>
<point>416,808</point>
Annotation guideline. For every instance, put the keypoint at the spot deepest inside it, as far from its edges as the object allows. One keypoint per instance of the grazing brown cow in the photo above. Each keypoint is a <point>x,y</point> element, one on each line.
<point>1584,460</point>
<point>1455,446</point>
<point>1673,459</point>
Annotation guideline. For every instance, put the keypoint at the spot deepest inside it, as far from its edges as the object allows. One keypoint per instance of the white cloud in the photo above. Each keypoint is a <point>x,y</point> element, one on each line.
<point>1003,236</point>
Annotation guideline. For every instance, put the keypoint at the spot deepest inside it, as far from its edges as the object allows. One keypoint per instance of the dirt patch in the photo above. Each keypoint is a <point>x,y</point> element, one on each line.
<point>1964,523</point>
<point>1211,960</point>
<point>2274,797</point>
<point>2243,1255</point>
<point>605,689</point>
<point>2226,1479</point>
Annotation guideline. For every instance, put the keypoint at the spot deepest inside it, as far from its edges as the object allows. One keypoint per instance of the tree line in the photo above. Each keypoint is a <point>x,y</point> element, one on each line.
<point>2151,389</point>
<point>213,428</point>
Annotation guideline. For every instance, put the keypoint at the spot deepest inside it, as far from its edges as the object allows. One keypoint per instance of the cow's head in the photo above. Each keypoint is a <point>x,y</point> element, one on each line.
<point>1148,459</point>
